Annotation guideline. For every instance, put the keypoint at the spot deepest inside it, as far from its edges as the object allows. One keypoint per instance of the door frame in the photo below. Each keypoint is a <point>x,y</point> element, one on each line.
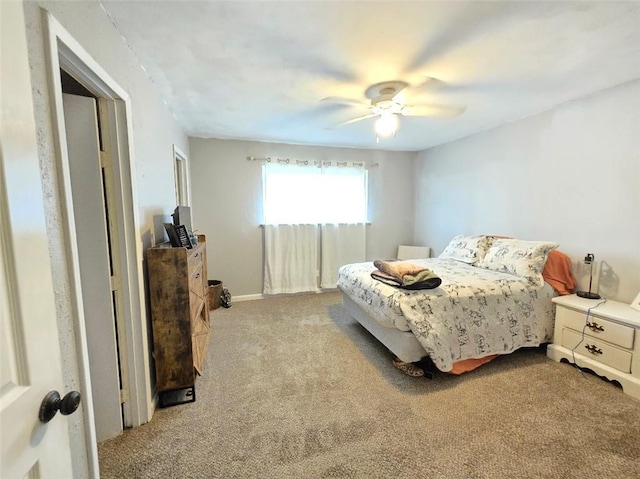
<point>181,169</point>
<point>63,51</point>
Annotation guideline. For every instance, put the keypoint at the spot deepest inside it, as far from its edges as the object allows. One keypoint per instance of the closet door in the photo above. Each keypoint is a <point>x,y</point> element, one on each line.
<point>30,356</point>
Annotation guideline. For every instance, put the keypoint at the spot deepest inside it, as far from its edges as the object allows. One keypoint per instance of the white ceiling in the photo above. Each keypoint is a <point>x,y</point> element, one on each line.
<point>257,70</point>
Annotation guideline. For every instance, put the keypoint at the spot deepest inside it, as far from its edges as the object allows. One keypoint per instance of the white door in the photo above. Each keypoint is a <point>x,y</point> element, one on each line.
<point>30,361</point>
<point>81,126</point>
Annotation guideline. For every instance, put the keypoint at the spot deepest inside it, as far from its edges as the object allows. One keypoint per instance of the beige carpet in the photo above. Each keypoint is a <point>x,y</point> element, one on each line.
<point>294,388</point>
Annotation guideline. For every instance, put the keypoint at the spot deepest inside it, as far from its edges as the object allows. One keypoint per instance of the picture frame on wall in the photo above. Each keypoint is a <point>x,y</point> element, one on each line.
<point>635,304</point>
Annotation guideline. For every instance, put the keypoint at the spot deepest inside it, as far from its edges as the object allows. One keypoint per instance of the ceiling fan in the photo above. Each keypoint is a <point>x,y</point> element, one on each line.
<point>387,104</point>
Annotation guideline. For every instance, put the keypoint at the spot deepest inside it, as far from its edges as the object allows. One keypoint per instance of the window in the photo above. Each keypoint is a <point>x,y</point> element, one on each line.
<point>306,194</point>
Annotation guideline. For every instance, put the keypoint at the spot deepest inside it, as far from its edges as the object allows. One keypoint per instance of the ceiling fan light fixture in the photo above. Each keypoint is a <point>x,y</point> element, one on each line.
<point>386,125</point>
<point>387,103</point>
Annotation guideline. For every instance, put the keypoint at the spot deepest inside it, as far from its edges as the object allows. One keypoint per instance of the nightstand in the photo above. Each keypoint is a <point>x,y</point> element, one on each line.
<point>611,343</point>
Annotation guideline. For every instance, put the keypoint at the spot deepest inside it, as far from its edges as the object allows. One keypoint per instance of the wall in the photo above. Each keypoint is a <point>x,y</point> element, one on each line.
<point>571,175</point>
<point>154,132</point>
<point>226,193</point>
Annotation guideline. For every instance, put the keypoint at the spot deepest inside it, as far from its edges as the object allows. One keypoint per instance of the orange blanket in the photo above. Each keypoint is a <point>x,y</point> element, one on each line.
<point>467,365</point>
<point>557,272</point>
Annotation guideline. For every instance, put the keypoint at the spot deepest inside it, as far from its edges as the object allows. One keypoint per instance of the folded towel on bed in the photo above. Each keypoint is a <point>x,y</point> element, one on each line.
<point>405,275</point>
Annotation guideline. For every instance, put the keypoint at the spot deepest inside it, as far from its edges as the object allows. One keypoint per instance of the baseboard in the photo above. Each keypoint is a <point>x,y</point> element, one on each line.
<point>247,297</point>
<point>251,297</point>
<point>155,400</point>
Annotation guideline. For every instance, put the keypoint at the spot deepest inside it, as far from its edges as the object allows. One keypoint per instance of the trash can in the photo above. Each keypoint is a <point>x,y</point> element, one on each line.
<point>215,290</point>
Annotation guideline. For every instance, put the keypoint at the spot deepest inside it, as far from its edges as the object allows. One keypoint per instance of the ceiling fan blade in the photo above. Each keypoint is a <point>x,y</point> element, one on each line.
<point>353,120</point>
<point>474,20</point>
<point>433,110</point>
<point>418,83</point>
<point>345,101</point>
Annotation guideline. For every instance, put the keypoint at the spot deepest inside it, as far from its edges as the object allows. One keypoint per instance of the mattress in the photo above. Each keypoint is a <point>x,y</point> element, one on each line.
<point>474,313</point>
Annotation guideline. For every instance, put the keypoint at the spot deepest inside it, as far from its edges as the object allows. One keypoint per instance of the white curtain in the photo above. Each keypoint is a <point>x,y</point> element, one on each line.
<point>341,244</point>
<point>291,258</point>
<point>299,196</point>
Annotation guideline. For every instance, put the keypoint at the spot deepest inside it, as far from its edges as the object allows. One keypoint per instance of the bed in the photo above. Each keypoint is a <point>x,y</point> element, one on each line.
<point>492,300</point>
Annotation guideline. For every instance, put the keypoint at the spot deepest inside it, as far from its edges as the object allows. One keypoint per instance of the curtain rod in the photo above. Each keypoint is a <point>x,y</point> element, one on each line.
<point>287,161</point>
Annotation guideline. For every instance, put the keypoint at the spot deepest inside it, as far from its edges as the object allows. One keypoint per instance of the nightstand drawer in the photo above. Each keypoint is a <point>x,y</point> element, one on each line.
<point>599,350</point>
<point>598,328</point>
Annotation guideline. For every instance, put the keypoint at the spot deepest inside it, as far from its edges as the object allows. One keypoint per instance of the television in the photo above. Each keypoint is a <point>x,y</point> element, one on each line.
<point>182,216</point>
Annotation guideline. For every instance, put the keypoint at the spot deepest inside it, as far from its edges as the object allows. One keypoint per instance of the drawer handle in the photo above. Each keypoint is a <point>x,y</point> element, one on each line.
<point>593,349</point>
<point>595,327</point>
<point>196,255</point>
<point>197,275</point>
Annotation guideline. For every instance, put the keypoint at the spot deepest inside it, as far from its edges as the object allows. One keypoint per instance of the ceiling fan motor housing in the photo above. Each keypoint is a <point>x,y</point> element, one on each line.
<point>386,103</point>
<point>382,96</point>
<point>385,88</point>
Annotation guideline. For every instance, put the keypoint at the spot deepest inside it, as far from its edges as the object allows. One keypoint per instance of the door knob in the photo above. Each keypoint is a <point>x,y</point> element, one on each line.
<point>52,403</point>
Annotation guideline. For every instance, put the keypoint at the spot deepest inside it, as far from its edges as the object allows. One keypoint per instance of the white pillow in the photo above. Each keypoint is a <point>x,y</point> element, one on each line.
<point>468,249</point>
<point>518,257</point>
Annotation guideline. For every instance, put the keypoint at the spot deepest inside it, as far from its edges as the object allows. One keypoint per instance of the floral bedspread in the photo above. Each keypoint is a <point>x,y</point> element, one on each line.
<point>474,313</point>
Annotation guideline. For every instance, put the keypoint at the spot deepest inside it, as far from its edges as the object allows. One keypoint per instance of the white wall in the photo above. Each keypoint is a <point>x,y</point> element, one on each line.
<point>226,193</point>
<point>571,175</point>
<point>154,132</point>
